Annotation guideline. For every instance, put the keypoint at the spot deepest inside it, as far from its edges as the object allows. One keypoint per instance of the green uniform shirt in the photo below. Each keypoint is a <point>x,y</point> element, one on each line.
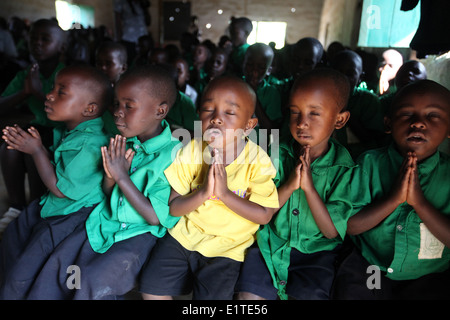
<point>115,219</point>
<point>36,106</point>
<point>78,166</point>
<point>294,226</point>
<point>270,101</point>
<point>110,125</point>
<point>401,245</point>
<point>237,56</point>
<point>183,113</point>
<point>365,109</point>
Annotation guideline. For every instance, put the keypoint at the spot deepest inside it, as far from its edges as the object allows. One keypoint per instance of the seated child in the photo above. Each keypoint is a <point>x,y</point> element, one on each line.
<point>158,56</point>
<point>72,175</point>
<point>201,57</point>
<point>144,47</point>
<point>221,198</point>
<point>257,66</point>
<point>365,128</point>
<point>410,71</point>
<point>111,59</point>
<point>30,86</point>
<point>305,55</point>
<point>183,80</point>
<point>297,250</point>
<point>392,61</point>
<point>401,225</point>
<point>121,231</point>
<point>183,113</point>
<point>216,67</point>
<point>240,29</point>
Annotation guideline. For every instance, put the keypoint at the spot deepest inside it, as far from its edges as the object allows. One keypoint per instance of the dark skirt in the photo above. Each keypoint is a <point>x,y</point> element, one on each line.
<point>27,243</point>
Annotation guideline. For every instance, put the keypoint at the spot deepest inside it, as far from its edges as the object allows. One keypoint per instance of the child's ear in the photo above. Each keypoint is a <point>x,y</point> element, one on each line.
<point>124,67</point>
<point>91,110</point>
<point>162,111</point>
<point>387,125</point>
<point>342,119</point>
<point>251,123</point>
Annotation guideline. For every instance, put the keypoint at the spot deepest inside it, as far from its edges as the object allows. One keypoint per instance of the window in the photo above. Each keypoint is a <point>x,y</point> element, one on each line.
<point>383,24</point>
<point>268,31</point>
<point>71,15</point>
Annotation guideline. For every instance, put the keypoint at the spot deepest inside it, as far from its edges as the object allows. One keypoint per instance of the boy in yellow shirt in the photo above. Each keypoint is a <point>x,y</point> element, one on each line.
<point>223,190</point>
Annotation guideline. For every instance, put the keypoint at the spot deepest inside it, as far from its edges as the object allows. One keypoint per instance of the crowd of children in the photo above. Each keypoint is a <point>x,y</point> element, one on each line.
<point>353,178</point>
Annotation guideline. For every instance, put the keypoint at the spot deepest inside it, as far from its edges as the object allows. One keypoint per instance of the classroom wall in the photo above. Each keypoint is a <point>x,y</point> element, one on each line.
<point>36,9</point>
<point>305,21</point>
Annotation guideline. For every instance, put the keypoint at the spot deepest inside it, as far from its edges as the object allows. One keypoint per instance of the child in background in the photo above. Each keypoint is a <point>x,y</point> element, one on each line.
<point>201,58</point>
<point>121,231</point>
<point>305,56</point>
<point>240,29</point>
<point>144,47</point>
<point>183,80</point>
<point>409,72</point>
<point>297,250</point>
<point>158,56</point>
<point>183,113</point>
<point>365,128</point>
<point>401,224</point>
<point>257,66</point>
<point>216,67</point>
<point>46,43</point>
<point>111,59</point>
<point>392,61</point>
<point>222,199</point>
<point>73,175</point>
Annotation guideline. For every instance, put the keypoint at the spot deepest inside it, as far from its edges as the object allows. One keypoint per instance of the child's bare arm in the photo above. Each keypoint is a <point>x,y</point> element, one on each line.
<point>243,207</point>
<point>371,215</point>
<point>436,222</point>
<point>108,181</point>
<point>118,166</point>
<point>184,204</point>
<point>247,209</point>
<point>316,205</point>
<point>31,143</point>
<point>32,86</point>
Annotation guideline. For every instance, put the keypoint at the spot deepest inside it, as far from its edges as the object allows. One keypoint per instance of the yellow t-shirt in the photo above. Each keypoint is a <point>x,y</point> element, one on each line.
<point>213,229</point>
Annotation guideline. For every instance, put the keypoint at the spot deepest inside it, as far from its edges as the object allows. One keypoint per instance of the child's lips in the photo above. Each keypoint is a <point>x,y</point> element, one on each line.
<point>416,137</point>
<point>302,135</point>
<point>213,132</point>
<point>47,108</point>
<point>120,125</point>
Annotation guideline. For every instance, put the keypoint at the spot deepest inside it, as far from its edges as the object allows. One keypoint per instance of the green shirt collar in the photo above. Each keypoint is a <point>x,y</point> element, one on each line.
<point>337,155</point>
<point>425,167</point>
<point>154,144</point>
<point>92,125</point>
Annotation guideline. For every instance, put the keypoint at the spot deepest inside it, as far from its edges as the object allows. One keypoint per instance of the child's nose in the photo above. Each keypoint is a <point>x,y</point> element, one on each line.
<point>418,123</point>
<point>118,112</point>
<point>301,122</point>
<point>216,119</point>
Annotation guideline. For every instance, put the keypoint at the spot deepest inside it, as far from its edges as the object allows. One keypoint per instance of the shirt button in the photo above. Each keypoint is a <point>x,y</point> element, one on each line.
<point>295,212</point>
<point>136,146</point>
<point>123,225</point>
<point>282,283</point>
<point>390,270</point>
<point>133,169</point>
<point>399,227</point>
